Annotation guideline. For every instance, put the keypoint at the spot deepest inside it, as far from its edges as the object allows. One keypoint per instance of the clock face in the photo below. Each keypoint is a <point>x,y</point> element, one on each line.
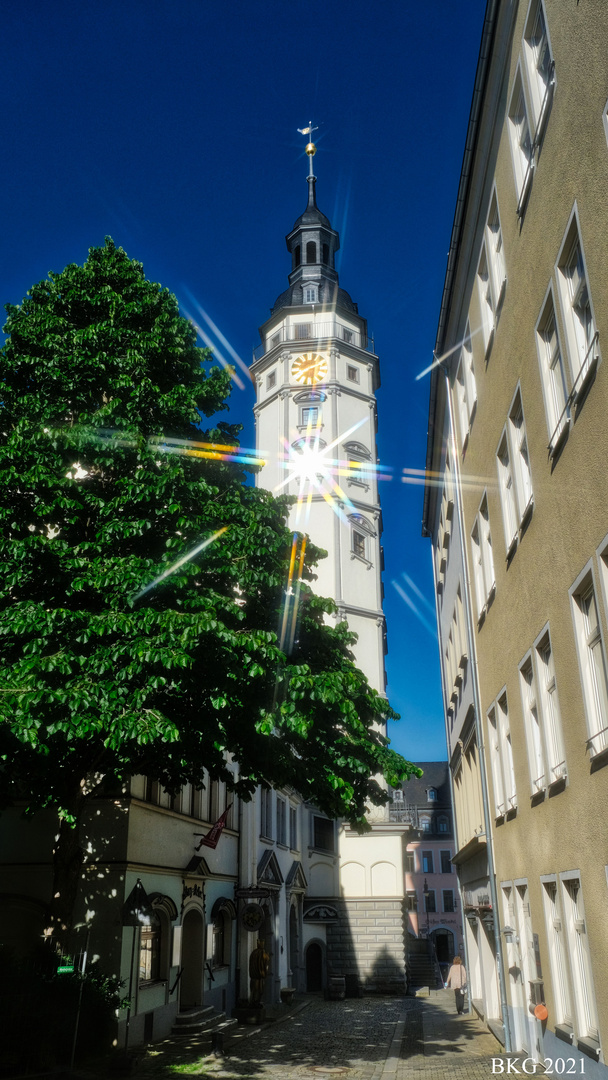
<point>309,368</point>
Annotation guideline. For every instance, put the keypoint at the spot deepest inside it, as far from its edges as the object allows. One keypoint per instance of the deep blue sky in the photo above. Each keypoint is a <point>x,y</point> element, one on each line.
<point>171,126</point>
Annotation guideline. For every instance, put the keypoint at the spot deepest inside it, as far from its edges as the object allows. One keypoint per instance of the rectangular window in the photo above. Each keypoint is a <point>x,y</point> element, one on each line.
<point>592,665</point>
<point>446,862</point>
<point>539,64</point>
<point>507,494</point>
<point>496,256</point>
<point>583,997</point>
<point>448,900</point>
<point>323,834</point>
<point>310,416</point>
<point>352,373</point>
<point>521,461</point>
<point>514,475</point>
<point>271,380</point>
<point>293,828</point>
<point>483,559</point>
<point>348,335</point>
<point>501,757</point>
<point>281,821</point>
<point>412,901</point>
<point>536,756</point>
<point>466,388</point>
<point>429,900</point>
<point>521,143</point>
<point>410,863</point>
<point>557,952</point>
<point>548,703</point>
<point>553,376</point>
<point>358,544</point>
<point>579,323</point>
<point>486,301</point>
<point>302,331</point>
<point>427,862</point>
<point>266,813</point>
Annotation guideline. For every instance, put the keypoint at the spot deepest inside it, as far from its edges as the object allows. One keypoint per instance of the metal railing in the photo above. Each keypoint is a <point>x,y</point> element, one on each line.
<point>313,332</point>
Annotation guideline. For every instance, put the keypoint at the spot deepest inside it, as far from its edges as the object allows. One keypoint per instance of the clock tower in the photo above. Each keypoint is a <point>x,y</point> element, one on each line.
<point>316,374</point>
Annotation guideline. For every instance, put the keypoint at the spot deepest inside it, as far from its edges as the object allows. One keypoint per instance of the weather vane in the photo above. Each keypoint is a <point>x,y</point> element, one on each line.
<point>310,146</point>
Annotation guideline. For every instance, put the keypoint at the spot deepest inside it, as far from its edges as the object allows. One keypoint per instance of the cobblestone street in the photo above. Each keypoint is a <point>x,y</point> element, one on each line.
<point>376,1038</point>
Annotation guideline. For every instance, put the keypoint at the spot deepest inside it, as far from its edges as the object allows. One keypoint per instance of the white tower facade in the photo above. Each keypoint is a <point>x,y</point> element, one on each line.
<point>316,375</point>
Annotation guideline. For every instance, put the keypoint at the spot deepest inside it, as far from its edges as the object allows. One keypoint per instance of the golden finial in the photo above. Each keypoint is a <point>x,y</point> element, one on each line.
<point>310,147</point>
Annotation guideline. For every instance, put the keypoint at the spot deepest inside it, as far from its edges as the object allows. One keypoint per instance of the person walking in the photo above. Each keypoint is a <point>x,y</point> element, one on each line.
<point>457,980</point>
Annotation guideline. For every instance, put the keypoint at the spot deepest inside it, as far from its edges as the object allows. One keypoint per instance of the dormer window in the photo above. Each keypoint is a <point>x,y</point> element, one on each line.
<point>311,294</point>
<point>431,794</point>
<point>311,252</point>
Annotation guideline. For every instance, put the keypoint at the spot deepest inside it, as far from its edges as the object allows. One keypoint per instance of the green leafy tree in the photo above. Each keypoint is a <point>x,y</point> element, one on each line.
<point>99,680</point>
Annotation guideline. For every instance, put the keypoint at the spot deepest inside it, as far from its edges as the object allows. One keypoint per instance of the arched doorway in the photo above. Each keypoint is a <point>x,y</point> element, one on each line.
<point>314,967</point>
<point>443,940</point>
<point>191,982</point>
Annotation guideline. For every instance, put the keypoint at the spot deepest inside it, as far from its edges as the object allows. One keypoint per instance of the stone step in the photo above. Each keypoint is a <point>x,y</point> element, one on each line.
<point>208,1021</point>
<point>198,1013</point>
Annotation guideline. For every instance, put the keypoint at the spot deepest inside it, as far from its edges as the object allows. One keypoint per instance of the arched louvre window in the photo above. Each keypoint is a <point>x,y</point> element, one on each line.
<point>297,256</point>
<point>311,252</point>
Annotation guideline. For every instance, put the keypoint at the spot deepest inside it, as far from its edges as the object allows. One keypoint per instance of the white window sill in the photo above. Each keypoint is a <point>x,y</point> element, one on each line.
<point>511,546</point>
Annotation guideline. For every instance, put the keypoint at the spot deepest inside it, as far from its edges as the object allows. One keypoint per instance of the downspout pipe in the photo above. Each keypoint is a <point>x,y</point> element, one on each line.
<point>478,724</point>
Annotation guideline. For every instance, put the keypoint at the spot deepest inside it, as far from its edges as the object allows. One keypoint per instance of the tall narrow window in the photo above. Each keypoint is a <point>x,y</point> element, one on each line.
<point>446,862</point>
<point>548,702</point>
<point>486,302</point>
<point>579,323</point>
<point>311,252</point>
<point>293,828</point>
<point>483,560</point>
<point>297,256</point>
<point>507,494</point>
<point>519,446</point>
<point>448,900</point>
<point>429,900</point>
<point>496,255</point>
<point>536,757</point>
<point>266,813</point>
<point>539,62</point>
<point>427,862</point>
<point>466,388</point>
<point>281,821</point>
<point>580,960</point>
<point>593,667</point>
<point>553,376</point>
<point>507,753</point>
<point>521,143</point>
<point>557,952</point>
<point>326,253</point>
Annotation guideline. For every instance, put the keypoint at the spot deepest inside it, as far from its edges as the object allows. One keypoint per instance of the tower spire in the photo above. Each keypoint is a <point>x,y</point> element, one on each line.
<point>310,150</point>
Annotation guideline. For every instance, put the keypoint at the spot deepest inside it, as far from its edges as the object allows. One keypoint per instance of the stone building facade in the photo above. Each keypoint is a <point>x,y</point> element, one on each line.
<point>517,410</point>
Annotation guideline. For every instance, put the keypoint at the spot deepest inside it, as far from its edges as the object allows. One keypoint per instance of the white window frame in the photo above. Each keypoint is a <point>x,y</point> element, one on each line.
<point>466,388</point>
<point>310,293</point>
<point>281,821</point>
<point>486,300</point>
<point>266,814</point>
<point>506,483</point>
<point>501,756</point>
<point>548,704</point>
<point>532,725</point>
<point>482,557</point>
<point>305,422</point>
<point>271,380</point>
<point>352,372</point>
<point>605,120</point>
<point>520,141</point>
<point>496,255</point>
<point>553,373</point>
<point>591,659</point>
<point>540,88</point>
<point>577,308</point>
<point>514,474</point>
<point>560,973</point>
<point>583,996</point>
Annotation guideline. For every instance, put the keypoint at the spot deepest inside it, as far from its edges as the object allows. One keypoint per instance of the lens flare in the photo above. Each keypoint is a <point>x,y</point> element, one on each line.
<point>180,562</point>
<point>412,606</point>
<point>439,359</point>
